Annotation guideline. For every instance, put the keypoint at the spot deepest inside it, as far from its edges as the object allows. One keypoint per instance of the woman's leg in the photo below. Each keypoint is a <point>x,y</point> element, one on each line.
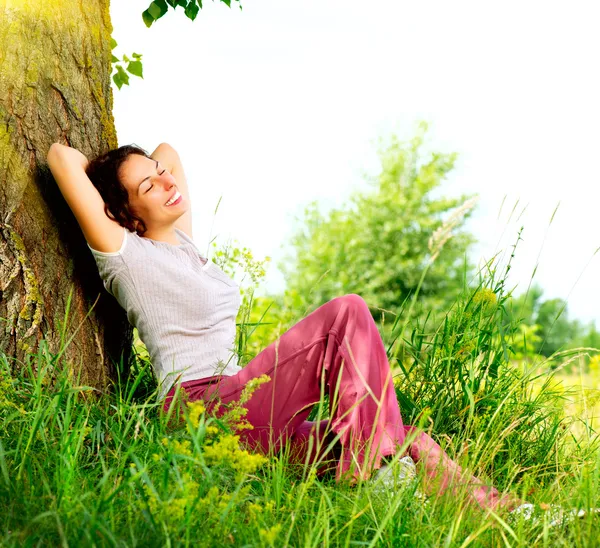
<point>441,473</point>
<point>337,345</point>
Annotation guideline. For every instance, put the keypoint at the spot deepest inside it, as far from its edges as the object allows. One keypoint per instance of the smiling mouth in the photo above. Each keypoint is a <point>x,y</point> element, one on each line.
<point>175,199</point>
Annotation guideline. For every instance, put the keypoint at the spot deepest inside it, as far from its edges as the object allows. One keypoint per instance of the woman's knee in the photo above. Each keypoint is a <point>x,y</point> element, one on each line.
<point>353,300</point>
<point>345,306</point>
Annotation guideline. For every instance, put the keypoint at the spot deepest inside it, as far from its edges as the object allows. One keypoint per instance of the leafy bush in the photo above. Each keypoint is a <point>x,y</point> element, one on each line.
<point>380,242</point>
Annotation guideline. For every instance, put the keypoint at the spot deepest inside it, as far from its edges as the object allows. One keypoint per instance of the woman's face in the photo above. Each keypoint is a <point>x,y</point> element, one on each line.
<point>152,190</point>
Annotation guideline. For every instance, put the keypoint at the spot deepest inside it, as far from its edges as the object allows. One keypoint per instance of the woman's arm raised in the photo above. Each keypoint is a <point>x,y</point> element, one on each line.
<point>169,158</point>
<point>68,168</point>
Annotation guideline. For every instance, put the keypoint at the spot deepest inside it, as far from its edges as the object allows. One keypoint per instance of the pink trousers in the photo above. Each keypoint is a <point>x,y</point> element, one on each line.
<point>337,349</point>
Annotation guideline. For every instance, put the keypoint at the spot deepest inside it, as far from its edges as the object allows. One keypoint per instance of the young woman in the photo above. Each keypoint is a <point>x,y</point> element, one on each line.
<point>134,211</point>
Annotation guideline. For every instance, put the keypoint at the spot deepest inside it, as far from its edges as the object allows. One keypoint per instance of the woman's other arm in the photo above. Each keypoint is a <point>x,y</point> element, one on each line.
<point>68,168</point>
<point>169,158</point>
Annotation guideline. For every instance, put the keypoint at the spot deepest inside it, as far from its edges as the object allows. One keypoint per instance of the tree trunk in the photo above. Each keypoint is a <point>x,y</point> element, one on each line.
<point>54,86</point>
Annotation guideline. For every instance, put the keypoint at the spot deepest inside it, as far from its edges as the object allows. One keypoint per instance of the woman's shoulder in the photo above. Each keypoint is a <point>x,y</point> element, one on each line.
<point>185,239</point>
<point>136,248</point>
<point>120,251</point>
<point>132,250</point>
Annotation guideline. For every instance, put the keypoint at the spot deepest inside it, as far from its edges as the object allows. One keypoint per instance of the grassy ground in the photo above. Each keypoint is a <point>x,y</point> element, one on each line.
<point>77,468</point>
<point>113,473</point>
<point>583,401</point>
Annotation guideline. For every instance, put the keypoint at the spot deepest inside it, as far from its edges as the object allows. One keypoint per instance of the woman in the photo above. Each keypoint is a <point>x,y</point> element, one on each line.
<point>134,211</point>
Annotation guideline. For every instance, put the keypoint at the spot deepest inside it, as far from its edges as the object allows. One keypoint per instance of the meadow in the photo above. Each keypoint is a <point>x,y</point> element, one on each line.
<point>83,468</point>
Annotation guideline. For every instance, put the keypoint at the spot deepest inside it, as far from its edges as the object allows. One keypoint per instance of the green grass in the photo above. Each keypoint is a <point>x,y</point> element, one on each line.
<point>75,471</point>
<point>79,469</point>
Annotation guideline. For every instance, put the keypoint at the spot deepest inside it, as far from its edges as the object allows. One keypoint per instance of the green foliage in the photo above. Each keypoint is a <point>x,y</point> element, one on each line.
<point>79,467</point>
<point>111,469</point>
<point>380,243</point>
<point>134,463</point>
<point>239,263</point>
<point>460,376</point>
<point>526,340</point>
<point>270,317</point>
<point>587,337</point>
<point>134,66</point>
<point>548,321</point>
<point>158,8</point>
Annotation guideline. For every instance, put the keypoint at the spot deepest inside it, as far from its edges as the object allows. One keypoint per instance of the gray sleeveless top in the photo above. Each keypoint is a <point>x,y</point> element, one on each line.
<point>183,306</point>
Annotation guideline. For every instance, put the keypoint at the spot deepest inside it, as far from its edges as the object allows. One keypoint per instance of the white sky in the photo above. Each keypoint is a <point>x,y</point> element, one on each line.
<point>283,102</point>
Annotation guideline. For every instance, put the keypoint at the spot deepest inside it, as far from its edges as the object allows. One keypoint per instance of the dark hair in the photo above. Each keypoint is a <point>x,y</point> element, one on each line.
<point>103,171</point>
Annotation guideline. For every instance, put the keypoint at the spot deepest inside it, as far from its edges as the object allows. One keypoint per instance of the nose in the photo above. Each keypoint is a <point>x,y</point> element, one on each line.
<point>168,180</point>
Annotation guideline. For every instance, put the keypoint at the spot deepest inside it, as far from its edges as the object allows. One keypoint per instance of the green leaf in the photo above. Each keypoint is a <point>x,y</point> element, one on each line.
<point>135,68</point>
<point>117,80</point>
<point>158,8</point>
<point>172,3</point>
<point>228,2</point>
<point>192,10</point>
<point>126,59</point>
<point>113,59</point>
<point>182,3</point>
<point>148,19</point>
<point>136,55</point>
<point>122,75</point>
<point>113,43</point>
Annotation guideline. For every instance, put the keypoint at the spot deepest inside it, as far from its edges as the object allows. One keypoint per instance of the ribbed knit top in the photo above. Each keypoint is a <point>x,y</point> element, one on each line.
<point>183,306</point>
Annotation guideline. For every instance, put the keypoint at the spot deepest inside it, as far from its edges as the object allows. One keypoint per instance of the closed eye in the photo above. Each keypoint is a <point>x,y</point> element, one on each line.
<point>151,185</point>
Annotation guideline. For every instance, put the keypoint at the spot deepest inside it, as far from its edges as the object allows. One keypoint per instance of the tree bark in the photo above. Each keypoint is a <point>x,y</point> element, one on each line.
<point>55,64</point>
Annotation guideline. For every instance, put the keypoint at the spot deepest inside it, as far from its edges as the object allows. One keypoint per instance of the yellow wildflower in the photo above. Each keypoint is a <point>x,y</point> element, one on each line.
<point>226,452</point>
<point>486,297</point>
<point>251,386</point>
<point>234,416</point>
<point>224,501</point>
<point>207,503</point>
<point>196,411</point>
<point>213,501</point>
<point>153,502</point>
<point>182,447</point>
<point>174,509</point>
<point>254,509</point>
<point>270,535</point>
<point>212,430</point>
